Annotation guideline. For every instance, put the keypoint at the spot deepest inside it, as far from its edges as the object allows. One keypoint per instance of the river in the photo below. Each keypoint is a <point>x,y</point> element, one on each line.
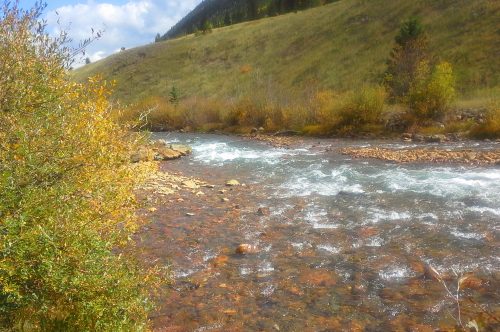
<point>343,244</point>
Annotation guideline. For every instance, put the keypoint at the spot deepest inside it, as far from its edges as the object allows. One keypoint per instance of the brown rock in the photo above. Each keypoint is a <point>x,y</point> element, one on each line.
<point>470,282</point>
<point>220,260</point>
<point>318,277</point>
<point>245,248</point>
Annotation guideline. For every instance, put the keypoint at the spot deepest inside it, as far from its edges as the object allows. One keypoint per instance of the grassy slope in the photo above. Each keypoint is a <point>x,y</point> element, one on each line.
<point>341,46</point>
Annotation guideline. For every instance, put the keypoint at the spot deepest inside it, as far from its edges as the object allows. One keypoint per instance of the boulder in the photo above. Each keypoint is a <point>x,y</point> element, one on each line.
<point>417,138</point>
<point>182,149</point>
<point>397,122</point>
<point>164,153</point>
<point>435,139</point>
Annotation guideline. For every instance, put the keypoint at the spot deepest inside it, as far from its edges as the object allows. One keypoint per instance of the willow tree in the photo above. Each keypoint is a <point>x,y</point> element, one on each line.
<point>66,193</point>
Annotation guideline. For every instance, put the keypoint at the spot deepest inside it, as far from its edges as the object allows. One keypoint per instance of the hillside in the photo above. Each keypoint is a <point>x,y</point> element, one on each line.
<point>341,46</point>
<point>219,13</point>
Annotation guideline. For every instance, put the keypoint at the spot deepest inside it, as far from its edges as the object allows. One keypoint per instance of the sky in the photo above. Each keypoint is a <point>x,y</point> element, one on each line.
<point>125,23</point>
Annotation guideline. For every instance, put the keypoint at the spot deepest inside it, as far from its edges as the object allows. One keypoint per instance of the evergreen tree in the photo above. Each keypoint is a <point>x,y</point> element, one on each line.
<point>253,9</point>
<point>410,50</point>
<point>174,95</point>
<point>227,19</point>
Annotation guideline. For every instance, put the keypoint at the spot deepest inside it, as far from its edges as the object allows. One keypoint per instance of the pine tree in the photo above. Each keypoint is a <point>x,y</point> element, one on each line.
<point>174,95</point>
<point>227,19</point>
<point>410,50</point>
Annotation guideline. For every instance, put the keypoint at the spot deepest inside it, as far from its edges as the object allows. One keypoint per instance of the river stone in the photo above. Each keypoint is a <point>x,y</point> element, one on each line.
<point>418,138</point>
<point>435,138</point>
<point>190,184</point>
<point>182,149</point>
<point>164,153</point>
<point>263,211</point>
<point>232,183</point>
<point>245,248</point>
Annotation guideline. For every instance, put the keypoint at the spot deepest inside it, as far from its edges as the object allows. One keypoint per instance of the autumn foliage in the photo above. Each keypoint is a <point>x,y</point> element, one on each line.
<point>66,193</point>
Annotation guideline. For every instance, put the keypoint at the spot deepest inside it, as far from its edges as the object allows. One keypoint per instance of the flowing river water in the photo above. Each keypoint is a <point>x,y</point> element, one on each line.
<point>346,245</point>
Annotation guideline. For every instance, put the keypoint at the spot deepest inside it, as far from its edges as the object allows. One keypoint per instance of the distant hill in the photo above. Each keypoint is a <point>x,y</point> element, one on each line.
<point>341,46</point>
<point>219,13</point>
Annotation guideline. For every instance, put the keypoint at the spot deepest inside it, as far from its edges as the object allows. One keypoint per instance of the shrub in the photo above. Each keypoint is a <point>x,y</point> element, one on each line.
<point>490,128</point>
<point>66,202</point>
<point>152,113</point>
<point>359,109</point>
<point>431,93</point>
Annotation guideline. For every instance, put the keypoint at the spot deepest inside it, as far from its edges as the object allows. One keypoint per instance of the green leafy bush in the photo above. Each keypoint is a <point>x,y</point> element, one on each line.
<point>66,193</point>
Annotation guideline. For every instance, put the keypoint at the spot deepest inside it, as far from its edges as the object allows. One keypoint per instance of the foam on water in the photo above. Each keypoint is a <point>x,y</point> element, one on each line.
<point>395,272</point>
<point>224,152</point>
<point>328,248</point>
<point>376,215</point>
<point>444,182</point>
<point>483,210</point>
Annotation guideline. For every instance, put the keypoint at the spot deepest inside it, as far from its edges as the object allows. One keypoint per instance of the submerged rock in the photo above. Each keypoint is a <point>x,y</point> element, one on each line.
<point>245,248</point>
<point>263,211</point>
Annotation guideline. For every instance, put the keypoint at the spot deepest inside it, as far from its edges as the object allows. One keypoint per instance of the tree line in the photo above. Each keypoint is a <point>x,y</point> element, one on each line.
<point>219,13</point>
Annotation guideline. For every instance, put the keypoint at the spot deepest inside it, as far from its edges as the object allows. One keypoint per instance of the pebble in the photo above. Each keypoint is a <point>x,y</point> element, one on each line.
<point>263,211</point>
<point>232,183</point>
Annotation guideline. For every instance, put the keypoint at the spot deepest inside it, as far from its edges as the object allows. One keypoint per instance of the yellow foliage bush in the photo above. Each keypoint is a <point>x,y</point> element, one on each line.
<point>431,92</point>
<point>66,194</point>
<point>490,128</point>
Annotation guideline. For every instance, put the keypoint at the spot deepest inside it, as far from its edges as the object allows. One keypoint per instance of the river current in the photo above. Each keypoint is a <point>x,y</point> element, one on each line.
<point>346,244</point>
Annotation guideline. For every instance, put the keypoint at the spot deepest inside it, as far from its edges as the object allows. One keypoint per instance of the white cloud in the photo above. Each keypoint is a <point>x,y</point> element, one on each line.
<point>131,24</point>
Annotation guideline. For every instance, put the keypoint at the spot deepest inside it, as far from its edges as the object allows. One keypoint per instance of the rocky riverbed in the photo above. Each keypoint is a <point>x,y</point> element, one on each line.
<point>311,239</point>
<point>432,155</point>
